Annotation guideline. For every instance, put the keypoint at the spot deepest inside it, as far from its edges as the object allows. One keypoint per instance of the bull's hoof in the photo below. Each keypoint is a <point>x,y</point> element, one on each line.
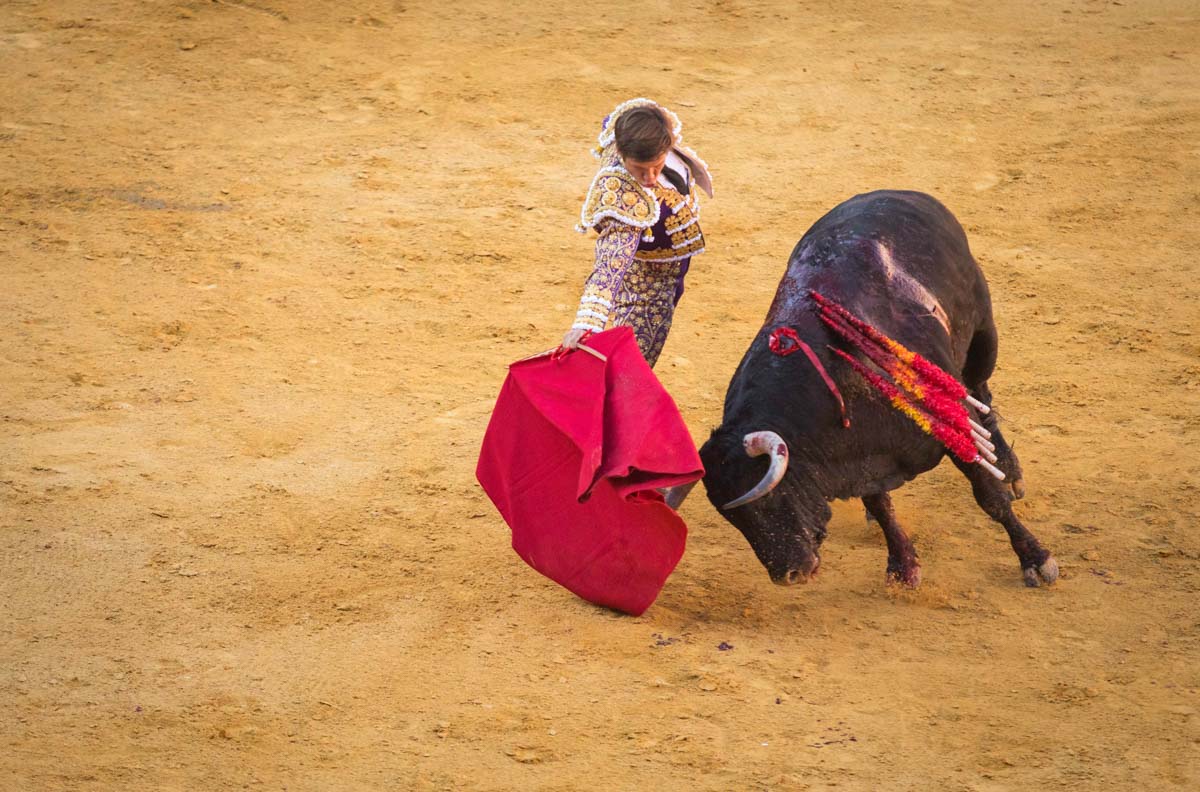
<point>904,573</point>
<point>1043,574</point>
<point>1018,488</point>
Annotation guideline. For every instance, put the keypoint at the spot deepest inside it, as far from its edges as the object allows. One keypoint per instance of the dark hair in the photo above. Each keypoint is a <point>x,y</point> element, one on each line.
<point>643,133</point>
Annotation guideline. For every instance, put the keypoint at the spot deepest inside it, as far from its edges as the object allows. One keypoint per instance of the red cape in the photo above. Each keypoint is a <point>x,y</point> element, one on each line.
<point>573,456</point>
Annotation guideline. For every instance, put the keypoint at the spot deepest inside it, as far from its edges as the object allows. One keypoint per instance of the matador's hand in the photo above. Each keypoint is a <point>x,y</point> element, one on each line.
<point>573,337</point>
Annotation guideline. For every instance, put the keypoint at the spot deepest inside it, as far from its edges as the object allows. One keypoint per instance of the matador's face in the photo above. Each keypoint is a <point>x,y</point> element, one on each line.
<point>646,172</point>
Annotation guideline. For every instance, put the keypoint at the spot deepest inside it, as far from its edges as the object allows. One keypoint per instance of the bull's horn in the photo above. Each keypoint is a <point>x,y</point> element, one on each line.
<point>757,444</point>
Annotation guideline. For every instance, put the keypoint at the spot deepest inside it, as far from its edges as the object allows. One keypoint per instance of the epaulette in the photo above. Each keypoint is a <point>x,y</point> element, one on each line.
<point>617,195</point>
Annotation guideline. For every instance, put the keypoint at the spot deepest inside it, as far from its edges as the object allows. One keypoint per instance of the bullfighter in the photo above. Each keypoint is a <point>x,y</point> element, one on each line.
<point>643,203</point>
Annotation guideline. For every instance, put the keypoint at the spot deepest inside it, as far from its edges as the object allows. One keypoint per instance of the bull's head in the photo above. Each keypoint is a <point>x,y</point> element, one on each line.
<point>781,517</point>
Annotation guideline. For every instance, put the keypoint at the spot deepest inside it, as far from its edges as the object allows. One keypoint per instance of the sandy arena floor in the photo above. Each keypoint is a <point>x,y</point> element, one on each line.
<point>264,264</point>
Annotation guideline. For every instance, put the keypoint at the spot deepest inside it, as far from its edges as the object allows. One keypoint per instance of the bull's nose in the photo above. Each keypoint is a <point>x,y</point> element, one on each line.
<point>793,577</point>
<point>798,575</point>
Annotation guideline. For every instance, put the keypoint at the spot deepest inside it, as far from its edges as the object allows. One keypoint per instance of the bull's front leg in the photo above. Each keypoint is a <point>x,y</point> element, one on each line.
<point>902,565</point>
<point>995,498</point>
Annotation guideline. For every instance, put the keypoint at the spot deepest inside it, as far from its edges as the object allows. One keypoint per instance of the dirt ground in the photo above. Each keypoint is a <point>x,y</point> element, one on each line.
<point>265,263</point>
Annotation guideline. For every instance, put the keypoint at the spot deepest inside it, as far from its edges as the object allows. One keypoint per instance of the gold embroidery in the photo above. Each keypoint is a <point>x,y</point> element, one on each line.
<point>679,238</point>
<point>670,197</point>
<point>690,249</point>
<point>614,254</point>
<point>645,302</point>
<point>678,223</point>
<point>616,195</point>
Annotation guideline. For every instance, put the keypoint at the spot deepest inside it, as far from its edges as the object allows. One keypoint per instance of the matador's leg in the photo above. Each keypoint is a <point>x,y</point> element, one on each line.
<point>645,303</point>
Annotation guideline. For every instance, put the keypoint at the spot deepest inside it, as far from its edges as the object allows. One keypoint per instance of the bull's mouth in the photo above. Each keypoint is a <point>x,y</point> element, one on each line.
<point>797,575</point>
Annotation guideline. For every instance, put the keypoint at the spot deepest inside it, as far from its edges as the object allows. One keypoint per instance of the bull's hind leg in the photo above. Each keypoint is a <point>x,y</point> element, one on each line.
<point>1037,565</point>
<point>902,566</point>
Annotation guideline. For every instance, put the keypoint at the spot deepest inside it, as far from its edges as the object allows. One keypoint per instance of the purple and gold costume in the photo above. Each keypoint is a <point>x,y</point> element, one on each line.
<point>647,237</point>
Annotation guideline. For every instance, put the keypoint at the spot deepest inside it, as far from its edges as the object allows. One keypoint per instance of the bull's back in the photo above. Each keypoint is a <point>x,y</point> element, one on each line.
<point>901,261</point>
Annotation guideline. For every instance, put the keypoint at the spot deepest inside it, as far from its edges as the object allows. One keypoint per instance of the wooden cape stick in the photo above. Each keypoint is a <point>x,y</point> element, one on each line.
<point>584,347</point>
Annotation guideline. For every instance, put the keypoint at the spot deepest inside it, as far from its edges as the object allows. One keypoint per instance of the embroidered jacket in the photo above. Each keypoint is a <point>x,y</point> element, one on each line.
<point>635,223</point>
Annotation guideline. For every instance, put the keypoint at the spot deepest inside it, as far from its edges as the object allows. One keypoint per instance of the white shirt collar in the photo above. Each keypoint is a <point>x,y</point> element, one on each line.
<point>680,166</point>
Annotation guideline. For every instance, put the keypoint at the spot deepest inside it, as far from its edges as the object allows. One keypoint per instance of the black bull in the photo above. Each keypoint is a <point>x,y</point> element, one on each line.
<point>900,261</point>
